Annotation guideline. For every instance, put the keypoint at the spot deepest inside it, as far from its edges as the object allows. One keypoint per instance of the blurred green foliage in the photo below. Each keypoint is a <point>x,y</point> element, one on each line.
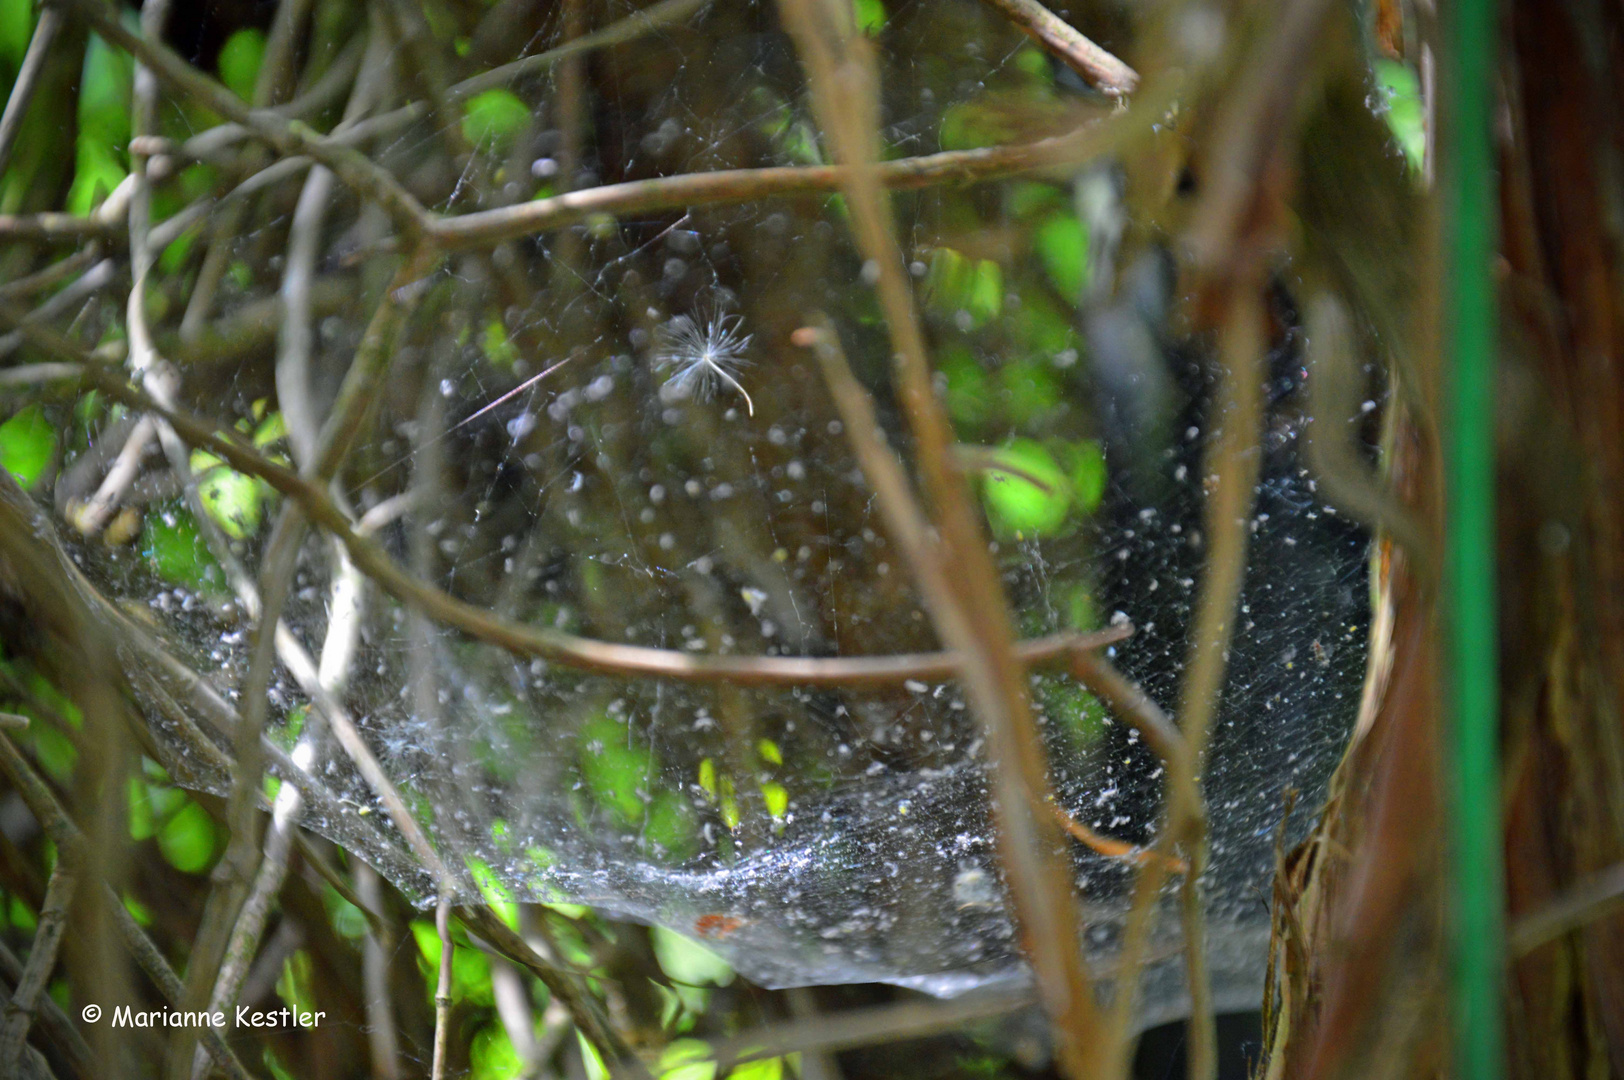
<point>102,149</point>
<point>240,60</point>
<point>27,445</point>
<point>492,120</point>
<point>1406,117</point>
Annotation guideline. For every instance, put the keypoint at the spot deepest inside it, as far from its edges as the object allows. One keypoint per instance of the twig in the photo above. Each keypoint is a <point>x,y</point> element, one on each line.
<point>1238,417</point>
<point>1333,395</point>
<point>51,276</point>
<point>53,227</point>
<point>88,284</point>
<point>41,960</point>
<point>90,518</point>
<point>583,1010</point>
<point>297,336</point>
<point>1113,848</point>
<point>841,68</point>
<point>381,1037</point>
<point>542,642</point>
<point>1080,54</point>
<point>628,29</point>
<point>169,985</point>
<point>45,808</point>
<point>744,185</point>
<point>53,1021</point>
<point>22,90</point>
<point>442,991</point>
<point>1586,900</point>
<point>855,1028</point>
<point>287,136</point>
<point>1255,115</point>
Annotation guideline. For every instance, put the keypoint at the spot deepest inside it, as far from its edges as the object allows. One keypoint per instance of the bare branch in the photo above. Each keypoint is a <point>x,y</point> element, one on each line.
<point>1061,38</point>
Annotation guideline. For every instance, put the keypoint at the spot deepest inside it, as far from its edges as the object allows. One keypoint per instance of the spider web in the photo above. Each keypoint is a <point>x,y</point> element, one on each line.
<point>809,836</point>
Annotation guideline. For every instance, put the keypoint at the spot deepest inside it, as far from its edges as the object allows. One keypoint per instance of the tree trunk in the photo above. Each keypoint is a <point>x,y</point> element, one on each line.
<point>1360,966</point>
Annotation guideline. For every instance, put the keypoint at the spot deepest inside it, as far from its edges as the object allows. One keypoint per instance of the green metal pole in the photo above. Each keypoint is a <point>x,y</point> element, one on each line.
<point>1470,210</point>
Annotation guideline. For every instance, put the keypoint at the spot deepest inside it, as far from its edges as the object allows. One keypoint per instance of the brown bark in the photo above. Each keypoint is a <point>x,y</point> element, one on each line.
<point>1359,949</point>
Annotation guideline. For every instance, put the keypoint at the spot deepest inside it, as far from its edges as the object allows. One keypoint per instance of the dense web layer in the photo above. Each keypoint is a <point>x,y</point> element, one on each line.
<point>684,482</point>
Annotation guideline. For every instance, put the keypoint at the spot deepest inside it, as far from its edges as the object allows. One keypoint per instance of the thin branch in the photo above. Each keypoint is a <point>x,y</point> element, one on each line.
<point>845,95</point>
<point>54,227</point>
<point>583,1009</point>
<point>288,137</point>
<point>1083,56</point>
<point>745,185</point>
<point>51,276</point>
<point>41,960</point>
<point>22,90</point>
<point>53,1021</point>
<point>632,27</point>
<point>1586,900</point>
<point>381,1036</point>
<point>544,643</point>
<point>66,835</point>
<point>856,1028</point>
<point>442,991</point>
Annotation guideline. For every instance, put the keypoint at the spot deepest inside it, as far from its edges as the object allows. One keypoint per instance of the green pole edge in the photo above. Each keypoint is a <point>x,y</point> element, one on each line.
<point>1470,206</point>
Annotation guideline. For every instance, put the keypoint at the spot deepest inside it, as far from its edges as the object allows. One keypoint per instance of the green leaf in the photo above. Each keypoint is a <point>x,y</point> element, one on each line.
<point>496,345</point>
<point>235,501</point>
<point>240,60</point>
<point>1405,116</point>
<point>170,542</point>
<point>492,1057</point>
<point>595,1068</point>
<point>495,892</point>
<point>27,444</point>
<point>138,911</point>
<point>470,968</point>
<point>765,1069</point>
<point>969,390</point>
<point>1085,468</point>
<point>16,28</point>
<point>187,839</point>
<point>669,828</point>
<point>1079,711</point>
<point>1030,500</point>
<point>615,768</point>
<point>687,1059</point>
<point>1062,246</point>
<point>769,752</point>
<point>141,820</point>
<point>1031,391</point>
<point>295,985</point>
<point>687,961</point>
<point>104,126</point>
<point>493,120</point>
<point>986,297</point>
<point>870,15</point>
<point>776,797</point>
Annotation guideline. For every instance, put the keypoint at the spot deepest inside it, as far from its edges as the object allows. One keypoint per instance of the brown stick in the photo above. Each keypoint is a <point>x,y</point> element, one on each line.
<point>1083,56</point>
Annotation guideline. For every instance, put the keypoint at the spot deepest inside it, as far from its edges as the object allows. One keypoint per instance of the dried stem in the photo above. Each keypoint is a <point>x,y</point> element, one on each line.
<point>53,916</point>
<point>1079,53</point>
<point>71,842</point>
<point>289,137</point>
<point>22,90</point>
<point>745,185</point>
<point>442,991</point>
<point>973,617</point>
<point>381,1035</point>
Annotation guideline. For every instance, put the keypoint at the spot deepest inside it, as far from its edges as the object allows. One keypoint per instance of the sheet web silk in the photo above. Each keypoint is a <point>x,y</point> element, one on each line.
<point>809,836</point>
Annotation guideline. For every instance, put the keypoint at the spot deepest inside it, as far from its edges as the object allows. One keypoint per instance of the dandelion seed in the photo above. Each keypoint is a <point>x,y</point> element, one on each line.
<point>702,355</point>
